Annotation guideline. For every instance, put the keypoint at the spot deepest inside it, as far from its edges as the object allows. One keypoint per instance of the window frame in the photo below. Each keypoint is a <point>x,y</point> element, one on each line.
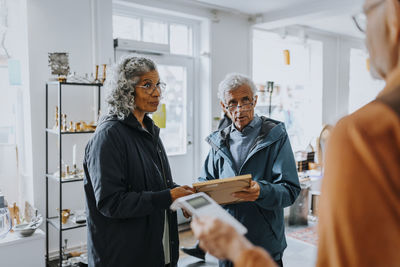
<point>130,11</point>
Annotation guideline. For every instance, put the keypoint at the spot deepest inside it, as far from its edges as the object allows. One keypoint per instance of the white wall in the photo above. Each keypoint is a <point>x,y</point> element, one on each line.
<point>63,26</point>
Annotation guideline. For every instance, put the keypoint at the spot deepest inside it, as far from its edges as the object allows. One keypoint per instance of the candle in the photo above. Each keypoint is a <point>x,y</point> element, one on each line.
<point>74,155</point>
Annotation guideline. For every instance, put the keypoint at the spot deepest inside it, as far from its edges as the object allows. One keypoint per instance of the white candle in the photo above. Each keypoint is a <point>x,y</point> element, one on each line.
<point>74,155</point>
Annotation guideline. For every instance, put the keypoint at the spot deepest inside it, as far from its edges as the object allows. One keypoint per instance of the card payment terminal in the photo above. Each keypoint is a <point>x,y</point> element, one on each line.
<point>201,204</point>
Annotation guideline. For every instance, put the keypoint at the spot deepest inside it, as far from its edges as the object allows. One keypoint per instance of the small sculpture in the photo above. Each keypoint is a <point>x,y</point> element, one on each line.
<point>71,127</point>
<point>63,122</point>
<point>104,73</point>
<point>78,127</point>
<point>14,214</point>
<point>56,119</point>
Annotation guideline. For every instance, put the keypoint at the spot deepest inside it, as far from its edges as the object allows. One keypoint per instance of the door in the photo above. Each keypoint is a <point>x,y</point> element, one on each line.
<point>177,136</point>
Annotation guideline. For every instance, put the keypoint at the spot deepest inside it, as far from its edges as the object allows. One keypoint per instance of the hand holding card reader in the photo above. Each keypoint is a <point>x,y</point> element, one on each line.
<point>200,204</point>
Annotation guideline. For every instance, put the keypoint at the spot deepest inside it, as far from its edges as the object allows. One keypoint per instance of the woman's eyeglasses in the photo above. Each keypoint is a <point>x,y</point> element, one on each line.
<point>149,88</point>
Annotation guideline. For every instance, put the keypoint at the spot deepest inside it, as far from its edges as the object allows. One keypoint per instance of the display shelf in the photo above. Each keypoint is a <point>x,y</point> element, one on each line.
<point>55,222</point>
<point>74,83</point>
<point>56,132</point>
<point>64,180</point>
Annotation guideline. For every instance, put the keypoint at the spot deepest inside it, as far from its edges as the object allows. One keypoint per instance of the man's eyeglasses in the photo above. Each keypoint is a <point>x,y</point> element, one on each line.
<point>243,107</point>
<point>360,19</point>
<point>149,88</point>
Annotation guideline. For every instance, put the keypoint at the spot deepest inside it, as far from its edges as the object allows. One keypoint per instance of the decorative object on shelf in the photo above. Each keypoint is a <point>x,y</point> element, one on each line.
<point>96,79</point>
<point>65,213</point>
<point>74,156</point>
<point>78,127</point>
<point>368,64</point>
<point>59,65</point>
<point>5,218</point>
<point>103,79</point>
<point>71,127</point>
<point>80,217</point>
<point>30,212</point>
<point>63,122</point>
<point>27,229</point>
<point>270,90</point>
<point>56,119</point>
<point>14,214</point>
<point>286,55</point>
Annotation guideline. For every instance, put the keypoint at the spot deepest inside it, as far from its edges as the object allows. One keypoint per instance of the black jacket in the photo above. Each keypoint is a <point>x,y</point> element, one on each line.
<point>127,176</point>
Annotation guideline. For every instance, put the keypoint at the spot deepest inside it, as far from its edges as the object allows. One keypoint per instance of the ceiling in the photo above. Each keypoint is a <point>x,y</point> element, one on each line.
<point>327,15</point>
<point>252,7</point>
<point>342,24</point>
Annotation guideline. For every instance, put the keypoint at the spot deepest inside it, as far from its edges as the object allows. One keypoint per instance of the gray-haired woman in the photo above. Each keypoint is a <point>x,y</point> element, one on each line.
<point>128,183</point>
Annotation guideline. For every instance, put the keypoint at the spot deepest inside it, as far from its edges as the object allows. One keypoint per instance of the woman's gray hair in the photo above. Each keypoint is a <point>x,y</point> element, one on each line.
<point>121,82</point>
<point>233,81</point>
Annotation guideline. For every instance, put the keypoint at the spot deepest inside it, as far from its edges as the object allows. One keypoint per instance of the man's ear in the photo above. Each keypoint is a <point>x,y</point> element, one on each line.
<point>255,100</point>
<point>393,21</point>
<point>223,106</point>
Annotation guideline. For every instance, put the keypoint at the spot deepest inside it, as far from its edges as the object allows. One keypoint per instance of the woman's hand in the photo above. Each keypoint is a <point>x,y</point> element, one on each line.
<point>181,191</point>
<point>219,238</point>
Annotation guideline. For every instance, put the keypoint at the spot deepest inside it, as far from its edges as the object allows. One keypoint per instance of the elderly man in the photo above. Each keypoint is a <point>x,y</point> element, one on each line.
<point>359,220</point>
<point>258,146</point>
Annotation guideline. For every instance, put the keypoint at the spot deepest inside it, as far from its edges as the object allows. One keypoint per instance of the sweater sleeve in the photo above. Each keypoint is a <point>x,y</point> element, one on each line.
<point>114,198</point>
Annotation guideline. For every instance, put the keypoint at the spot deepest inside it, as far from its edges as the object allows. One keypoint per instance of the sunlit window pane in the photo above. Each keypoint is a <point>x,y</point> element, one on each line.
<point>175,133</point>
<point>155,32</point>
<point>363,88</point>
<point>126,27</point>
<point>297,95</point>
<point>181,39</point>
<point>7,109</point>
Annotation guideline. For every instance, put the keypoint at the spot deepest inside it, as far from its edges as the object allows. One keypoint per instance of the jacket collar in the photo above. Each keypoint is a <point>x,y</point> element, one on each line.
<point>133,123</point>
<point>271,131</point>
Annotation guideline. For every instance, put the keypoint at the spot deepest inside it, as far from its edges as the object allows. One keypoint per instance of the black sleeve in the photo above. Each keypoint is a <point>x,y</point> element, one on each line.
<point>104,159</point>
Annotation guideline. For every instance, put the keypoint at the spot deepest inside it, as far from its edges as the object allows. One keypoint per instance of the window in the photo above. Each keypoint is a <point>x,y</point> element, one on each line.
<point>181,42</point>
<point>174,135</point>
<point>297,96</point>
<point>128,28</point>
<point>363,88</point>
<point>7,109</point>
<point>155,32</point>
<point>178,36</point>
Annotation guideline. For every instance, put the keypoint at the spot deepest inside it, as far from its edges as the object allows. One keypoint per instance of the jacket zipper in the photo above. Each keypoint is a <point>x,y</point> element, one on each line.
<point>167,212</point>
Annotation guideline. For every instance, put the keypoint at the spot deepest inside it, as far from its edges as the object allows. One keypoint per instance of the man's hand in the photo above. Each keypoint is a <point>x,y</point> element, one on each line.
<point>181,191</point>
<point>219,238</point>
<point>248,194</point>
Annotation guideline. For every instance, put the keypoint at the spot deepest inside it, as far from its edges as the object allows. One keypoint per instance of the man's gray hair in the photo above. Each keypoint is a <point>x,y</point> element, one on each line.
<point>121,82</point>
<point>233,81</point>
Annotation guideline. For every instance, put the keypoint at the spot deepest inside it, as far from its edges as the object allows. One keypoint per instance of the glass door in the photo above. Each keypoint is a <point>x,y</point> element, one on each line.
<point>177,136</point>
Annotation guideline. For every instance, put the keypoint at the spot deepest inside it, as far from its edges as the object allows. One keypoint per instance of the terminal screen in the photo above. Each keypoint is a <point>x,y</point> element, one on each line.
<point>198,202</point>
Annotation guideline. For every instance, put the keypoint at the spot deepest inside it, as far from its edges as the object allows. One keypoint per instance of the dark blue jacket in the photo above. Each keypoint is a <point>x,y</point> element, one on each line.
<point>127,181</point>
<point>271,163</point>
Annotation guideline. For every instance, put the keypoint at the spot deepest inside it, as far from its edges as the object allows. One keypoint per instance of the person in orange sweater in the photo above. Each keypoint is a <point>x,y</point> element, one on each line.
<point>359,218</point>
